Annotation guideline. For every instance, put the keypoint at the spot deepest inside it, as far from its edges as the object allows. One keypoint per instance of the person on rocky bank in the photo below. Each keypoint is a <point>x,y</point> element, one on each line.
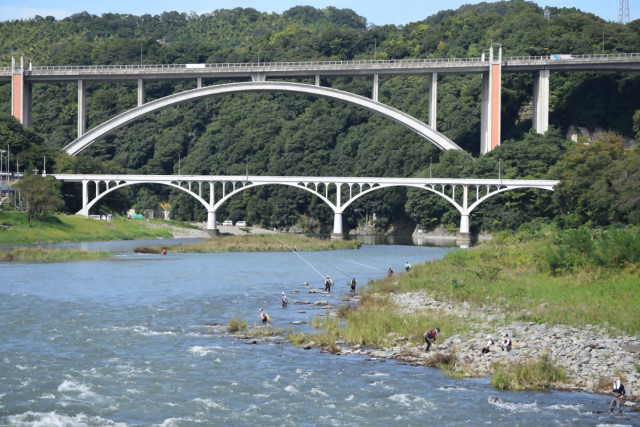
<point>431,335</point>
<point>490,342</point>
<point>506,343</point>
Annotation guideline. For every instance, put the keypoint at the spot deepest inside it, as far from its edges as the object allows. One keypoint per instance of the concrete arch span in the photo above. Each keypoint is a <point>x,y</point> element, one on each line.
<point>409,122</point>
<point>85,210</point>
<point>250,184</point>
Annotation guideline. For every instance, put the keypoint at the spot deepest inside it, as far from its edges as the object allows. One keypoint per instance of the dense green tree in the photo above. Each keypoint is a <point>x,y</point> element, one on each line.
<point>39,194</point>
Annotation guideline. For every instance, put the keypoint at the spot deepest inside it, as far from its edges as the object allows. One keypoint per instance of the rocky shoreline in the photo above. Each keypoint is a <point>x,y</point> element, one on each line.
<point>589,355</point>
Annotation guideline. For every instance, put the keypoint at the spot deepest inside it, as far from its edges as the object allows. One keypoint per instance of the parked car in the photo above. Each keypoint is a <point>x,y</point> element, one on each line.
<point>241,224</point>
<point>227,222</point>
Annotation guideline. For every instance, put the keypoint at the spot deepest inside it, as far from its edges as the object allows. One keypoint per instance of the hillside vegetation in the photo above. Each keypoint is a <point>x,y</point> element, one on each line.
<point>277,134</point>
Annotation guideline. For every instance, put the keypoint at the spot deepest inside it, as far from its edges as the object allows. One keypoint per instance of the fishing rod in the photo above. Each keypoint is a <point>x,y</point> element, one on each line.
<point>248,284</point>
<point>301,257</point>
<point>364,265</point>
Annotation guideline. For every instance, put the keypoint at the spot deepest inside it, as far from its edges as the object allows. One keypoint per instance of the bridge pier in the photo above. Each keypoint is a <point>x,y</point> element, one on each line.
<point>337,226</point>
<point>211,223</point>
<point>82,108</point>
<point>21,98</point>
<point>491,104</point>
<point>85,198</point>
<point>140,92</point>
<point>541,101</point>
<point>463,238</point>
<point>433,100</point>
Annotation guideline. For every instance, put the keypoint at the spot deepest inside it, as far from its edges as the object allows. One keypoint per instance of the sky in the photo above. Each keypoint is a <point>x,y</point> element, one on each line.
<point>377,12</point>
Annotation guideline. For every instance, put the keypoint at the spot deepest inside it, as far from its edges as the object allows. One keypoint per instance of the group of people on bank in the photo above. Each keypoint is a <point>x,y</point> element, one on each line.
<point>505,345</point>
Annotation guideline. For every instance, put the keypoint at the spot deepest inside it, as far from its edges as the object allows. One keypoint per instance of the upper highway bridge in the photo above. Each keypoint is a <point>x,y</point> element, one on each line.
<point>490,66</point>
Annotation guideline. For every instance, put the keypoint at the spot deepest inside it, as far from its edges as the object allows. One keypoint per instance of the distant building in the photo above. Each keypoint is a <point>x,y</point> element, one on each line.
<point>6,191</point>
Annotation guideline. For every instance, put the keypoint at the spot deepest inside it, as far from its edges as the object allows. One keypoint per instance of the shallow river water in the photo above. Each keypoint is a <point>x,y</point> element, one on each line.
<point>139,340</point>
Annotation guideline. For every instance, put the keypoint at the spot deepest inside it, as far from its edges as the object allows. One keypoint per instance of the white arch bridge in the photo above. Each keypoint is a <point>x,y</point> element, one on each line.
<point>465,194</point>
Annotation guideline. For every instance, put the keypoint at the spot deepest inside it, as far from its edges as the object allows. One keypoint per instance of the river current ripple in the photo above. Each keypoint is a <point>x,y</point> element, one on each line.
<point>140,340</point>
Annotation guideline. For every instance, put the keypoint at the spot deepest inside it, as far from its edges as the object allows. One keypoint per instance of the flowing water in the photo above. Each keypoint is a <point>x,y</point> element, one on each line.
<point>140,340</point>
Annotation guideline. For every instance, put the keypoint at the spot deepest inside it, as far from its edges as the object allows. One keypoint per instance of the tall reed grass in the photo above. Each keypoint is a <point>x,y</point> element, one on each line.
<point>49,255</point>
<point>266,243</point>
<point>538,374</point>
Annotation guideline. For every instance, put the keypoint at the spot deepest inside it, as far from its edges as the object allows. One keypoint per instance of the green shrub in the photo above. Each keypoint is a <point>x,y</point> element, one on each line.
<point>236,324</point>
<point>537,374</point>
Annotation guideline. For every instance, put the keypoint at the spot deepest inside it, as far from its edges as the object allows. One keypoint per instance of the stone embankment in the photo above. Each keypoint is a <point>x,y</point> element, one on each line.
<point>589,355</point>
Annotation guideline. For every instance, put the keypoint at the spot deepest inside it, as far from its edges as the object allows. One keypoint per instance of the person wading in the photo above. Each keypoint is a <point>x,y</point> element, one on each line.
<point>327,284</point>
<point>618,393</point>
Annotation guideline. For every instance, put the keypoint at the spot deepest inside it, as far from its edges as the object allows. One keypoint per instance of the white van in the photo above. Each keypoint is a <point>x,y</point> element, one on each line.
<point>241,224</point>
<point>227,222</point>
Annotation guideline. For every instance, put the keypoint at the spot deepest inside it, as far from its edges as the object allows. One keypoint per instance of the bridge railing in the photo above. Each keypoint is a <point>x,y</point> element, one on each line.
<point>364,63</point>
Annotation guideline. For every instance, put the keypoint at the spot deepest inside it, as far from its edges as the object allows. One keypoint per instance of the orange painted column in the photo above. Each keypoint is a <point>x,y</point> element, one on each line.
<point>16,96</point>
<point>20,93</point>
<point>496,89</point>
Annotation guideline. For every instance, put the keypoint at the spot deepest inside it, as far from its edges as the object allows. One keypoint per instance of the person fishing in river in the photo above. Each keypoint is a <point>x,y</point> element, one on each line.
<point>353,283</point>
<point>618,392</point>
<point>285,300</point>
<point>264,316</point>
<point>327,284</point>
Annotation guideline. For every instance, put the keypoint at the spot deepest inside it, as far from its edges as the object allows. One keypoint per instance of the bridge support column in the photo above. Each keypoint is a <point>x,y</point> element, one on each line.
<point>463,238</point>
<point>337,226</point>
<point>317,83</point>
<point>541,101</point>
<point>20,93</point>
<point>374,89</point>
<point>140,92</point>
<point>85,198</point>
<point>199,83</point>
<point>211,223</point>
<point>491,104</point>
<point>433,100</point>
<point>82,108</point>
<point>258,77</point>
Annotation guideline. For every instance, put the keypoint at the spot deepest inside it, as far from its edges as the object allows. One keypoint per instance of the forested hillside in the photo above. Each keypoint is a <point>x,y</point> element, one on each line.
<point>278,134</point>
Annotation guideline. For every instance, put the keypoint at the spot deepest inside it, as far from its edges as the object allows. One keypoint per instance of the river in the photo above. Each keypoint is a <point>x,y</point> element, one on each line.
<point>140,340</point>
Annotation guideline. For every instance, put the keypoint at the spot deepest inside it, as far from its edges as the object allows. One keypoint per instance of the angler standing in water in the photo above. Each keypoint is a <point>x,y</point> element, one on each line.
<point>285,300</point>
<point>618,393</point>
<point>353,285</point>
<point>327,284</point>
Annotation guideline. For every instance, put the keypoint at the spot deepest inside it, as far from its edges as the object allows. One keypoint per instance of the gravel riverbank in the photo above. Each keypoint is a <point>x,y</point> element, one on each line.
<point>589,355</point>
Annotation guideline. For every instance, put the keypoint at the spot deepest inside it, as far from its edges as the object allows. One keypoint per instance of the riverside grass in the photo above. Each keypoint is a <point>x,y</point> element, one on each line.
<point>514,274</point>
<point>265,243</point>
<point>536,374</point>
<point>14,229</point>
<point>49,255</point>
<point>376,320</point>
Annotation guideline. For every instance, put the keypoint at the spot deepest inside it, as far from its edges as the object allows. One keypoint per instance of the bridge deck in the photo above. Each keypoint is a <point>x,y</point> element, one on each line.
<point>602,62</point>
